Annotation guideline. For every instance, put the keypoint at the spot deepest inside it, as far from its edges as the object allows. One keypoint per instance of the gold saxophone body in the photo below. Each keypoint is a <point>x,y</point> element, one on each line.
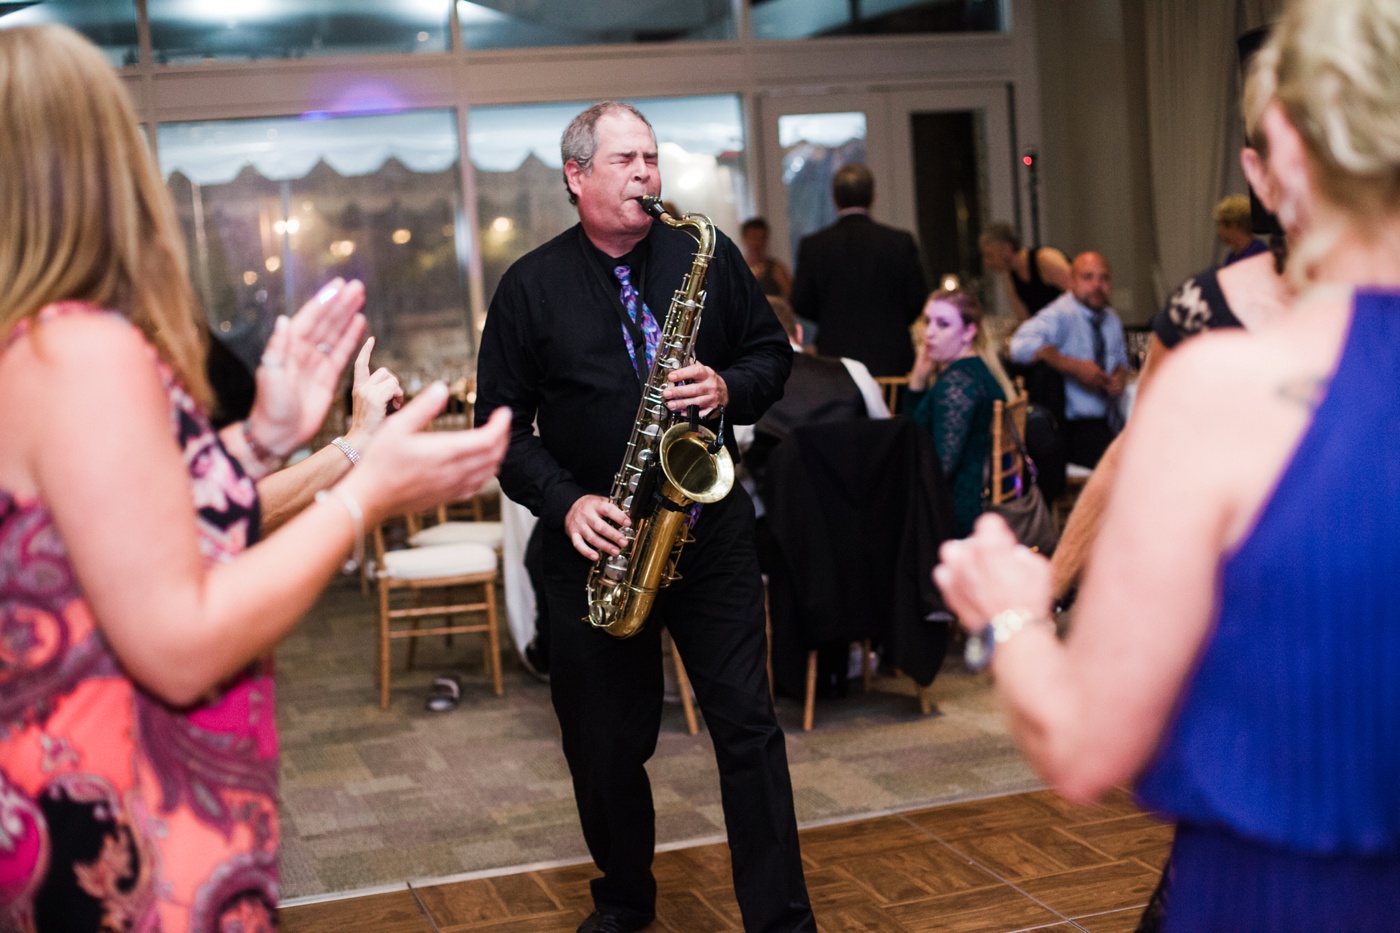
<point>671,462</point>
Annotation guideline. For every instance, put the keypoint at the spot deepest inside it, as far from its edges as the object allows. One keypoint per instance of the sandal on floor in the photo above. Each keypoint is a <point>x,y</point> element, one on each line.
<point>445,694</point>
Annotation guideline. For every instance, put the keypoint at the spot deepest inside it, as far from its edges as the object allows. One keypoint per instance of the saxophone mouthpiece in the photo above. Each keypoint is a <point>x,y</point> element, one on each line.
<point>652,206</point>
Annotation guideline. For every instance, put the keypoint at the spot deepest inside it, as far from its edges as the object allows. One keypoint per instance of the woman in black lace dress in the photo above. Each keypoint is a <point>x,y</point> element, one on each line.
<point>955,381</point>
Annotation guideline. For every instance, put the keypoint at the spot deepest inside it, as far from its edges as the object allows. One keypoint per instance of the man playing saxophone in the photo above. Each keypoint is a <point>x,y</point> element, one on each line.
<point>568,344</point>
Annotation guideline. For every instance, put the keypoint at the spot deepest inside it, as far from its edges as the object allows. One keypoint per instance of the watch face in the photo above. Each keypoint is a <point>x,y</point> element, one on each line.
<point>977,653</point>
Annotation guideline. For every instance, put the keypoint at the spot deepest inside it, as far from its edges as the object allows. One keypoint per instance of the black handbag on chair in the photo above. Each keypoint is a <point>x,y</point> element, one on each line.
<point>1026,513</point>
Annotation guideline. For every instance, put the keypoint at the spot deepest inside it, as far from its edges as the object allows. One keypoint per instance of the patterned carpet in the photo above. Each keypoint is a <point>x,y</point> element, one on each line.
<point>372,798</point>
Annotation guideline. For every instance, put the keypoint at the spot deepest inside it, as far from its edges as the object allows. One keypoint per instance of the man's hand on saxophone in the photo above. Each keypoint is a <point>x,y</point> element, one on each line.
<point>703,387</point>
<point>593,524</point>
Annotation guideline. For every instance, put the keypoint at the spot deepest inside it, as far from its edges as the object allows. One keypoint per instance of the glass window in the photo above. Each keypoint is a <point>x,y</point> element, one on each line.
<point>800,19</point>
<point>185,31</point>
<point>272,209</point>
<point>521,198</point>
<point>513,24</point>
<point>814,146</point>
<point>110,24</point>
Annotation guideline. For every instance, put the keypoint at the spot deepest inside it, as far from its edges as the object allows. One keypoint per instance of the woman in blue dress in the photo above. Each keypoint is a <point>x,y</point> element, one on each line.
<point>955,381</point>
<point>1235,646</point>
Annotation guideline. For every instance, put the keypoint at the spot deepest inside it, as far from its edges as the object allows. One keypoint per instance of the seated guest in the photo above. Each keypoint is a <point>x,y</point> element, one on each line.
<point>955,382</point>
<point>1034,278</point>
<point>1234,225</point>
<point>773,277</point>
<point>1081,337</point>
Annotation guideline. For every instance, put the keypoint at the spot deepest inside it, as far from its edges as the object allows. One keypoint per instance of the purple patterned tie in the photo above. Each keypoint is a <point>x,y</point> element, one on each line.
<point>652,333</point>
<point>632,301</point>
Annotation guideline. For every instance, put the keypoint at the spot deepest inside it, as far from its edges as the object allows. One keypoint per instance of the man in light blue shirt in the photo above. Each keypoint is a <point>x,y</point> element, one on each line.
<point>1081,337</point>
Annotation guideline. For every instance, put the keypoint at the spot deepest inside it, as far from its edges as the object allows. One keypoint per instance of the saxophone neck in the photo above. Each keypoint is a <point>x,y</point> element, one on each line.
<point>697,225</point>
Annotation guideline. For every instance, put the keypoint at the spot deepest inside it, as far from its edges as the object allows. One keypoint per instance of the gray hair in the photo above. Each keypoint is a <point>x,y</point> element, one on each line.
<point>580,140</point>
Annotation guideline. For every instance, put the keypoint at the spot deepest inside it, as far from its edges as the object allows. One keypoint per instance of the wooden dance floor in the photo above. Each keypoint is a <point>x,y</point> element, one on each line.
<point>1021,862</point>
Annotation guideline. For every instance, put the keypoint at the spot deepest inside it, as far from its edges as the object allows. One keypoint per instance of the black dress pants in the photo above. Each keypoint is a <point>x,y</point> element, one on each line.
<point>608,693</point>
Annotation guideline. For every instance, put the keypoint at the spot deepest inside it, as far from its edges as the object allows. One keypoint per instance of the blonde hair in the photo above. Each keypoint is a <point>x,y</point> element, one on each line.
<point>86,216</point>
<point>1233,211</point>
<point>1260,85</point>
<point>970,310</point>
<point>1339,85</point>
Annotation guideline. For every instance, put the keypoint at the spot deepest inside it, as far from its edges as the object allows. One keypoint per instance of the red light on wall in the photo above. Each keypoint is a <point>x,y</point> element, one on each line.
<point>1029,160</point>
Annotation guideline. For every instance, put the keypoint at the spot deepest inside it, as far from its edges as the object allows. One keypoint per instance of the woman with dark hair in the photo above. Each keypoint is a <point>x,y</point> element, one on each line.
<point>773,277</point>
<point>956,379</point>
<point>1034,277</point>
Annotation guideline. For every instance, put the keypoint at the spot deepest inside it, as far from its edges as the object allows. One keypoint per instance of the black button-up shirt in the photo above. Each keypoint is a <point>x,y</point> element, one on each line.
<point>553,350</point>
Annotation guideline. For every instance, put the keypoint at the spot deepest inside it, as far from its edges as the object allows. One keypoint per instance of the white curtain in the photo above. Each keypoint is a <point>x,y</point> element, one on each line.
<point>1190,65</point>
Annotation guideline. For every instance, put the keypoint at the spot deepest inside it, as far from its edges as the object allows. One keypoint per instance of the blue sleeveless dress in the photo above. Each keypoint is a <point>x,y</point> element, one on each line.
<point>1282,763</point>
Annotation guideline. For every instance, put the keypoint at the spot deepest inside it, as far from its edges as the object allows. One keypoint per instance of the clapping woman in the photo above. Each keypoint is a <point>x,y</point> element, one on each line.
<point>138,747</point>
<point>1235,647</point>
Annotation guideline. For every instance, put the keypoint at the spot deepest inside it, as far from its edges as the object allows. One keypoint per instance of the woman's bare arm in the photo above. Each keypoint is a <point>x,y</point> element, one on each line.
<point>1054,268</point>
<point>1072,553</point>
<point>96,439</point>
<point>782,277</point>
<point>288,491</point>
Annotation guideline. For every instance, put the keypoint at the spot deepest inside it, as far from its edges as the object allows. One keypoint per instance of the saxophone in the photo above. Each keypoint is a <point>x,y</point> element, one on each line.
<point>671,462</point>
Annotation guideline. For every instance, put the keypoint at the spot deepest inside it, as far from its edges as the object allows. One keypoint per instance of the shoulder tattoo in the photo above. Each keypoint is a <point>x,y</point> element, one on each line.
<point>1306,391</point>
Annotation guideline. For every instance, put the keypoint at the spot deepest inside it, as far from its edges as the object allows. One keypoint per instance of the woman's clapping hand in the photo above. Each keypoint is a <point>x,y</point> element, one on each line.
<point>301,366</point>
<point>409,469</point>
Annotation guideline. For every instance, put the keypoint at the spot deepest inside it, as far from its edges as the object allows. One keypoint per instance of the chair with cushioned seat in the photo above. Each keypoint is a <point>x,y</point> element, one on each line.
<point>450,531</point>
<point>440,568</point>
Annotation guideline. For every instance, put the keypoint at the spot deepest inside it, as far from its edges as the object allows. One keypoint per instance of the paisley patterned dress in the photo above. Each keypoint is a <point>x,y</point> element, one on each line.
<point>117,811</point>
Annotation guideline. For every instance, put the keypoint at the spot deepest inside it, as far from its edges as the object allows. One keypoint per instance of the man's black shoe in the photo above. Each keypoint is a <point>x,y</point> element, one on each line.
<point>605,922</point>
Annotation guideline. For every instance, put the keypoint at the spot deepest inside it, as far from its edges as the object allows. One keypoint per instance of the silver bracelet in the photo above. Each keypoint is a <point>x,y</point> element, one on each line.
<point>357,517</point>
<point>346,448</point>
<point>1000,628</point>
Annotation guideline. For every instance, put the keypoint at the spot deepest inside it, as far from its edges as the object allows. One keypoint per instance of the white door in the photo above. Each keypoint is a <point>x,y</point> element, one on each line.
<point>943,161</point>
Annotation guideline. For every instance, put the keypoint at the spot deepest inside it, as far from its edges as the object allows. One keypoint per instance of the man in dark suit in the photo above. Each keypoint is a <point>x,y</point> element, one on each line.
<point>860,281</point>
